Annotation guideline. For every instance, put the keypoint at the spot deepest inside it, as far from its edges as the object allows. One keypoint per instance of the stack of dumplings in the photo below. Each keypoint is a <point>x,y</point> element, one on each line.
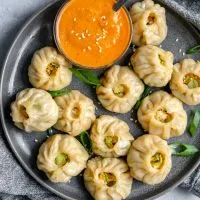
<point>117,157</point>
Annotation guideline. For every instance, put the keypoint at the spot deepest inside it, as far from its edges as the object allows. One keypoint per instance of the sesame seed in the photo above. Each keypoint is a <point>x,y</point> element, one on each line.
<point>76,34</point>
<point>89,47</point>
<point>99,38</point>
<point>180,50</point>
<point>72,31</point>
<point>74,19</point>
<point>131,119</point>
<point>89,35</point>
<point>79,38</point>
<point>104,30</point>
<point>97,34</point>
<point>100,49</point>
<point>86,31</point>
<point>84,50</point>
<point>83,35</point>
<point>135,121</point>
<point>160,46</point>
<point>36,140</point>
<point>93,19</point>
<point>97,43</point>
<point>103,17</point>
<point>183,53</point>
<point>177,39</point>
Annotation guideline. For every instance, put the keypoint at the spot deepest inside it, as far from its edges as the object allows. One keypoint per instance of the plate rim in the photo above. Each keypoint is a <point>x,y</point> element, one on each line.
<point>12,146</point>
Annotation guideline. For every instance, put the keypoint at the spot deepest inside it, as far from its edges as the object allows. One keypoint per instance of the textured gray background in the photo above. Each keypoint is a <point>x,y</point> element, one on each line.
<point>13,14</point>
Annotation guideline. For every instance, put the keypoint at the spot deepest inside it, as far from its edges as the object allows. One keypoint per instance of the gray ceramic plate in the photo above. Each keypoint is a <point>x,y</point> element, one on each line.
<point>38,33</point>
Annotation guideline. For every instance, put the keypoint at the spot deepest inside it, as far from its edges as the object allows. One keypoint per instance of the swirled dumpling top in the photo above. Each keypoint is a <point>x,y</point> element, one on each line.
<point>149,23</point>
<point>185,82</point>
<point>120,89</point>
<point>61,157</point>
<point>49,70</point>
<point>153,65</point>
<point>149,159</point>
<point>76,113</point>
<point>34,110</point>
<point>163,115</point>
<point>110,137</point>
<point>107,178</point>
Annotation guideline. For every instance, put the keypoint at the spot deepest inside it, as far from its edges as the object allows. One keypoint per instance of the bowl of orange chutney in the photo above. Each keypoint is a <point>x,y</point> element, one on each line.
<point>90,34</point>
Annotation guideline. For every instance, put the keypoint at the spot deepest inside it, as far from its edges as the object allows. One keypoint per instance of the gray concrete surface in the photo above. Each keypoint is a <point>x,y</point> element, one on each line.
<point>13,14</point>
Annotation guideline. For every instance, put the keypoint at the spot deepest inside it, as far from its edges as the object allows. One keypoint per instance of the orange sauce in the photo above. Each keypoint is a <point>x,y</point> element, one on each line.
<point>91,34</point>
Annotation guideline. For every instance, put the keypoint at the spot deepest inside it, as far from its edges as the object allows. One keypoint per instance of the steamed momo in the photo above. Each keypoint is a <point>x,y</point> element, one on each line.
<point>49,70</point>
<point>120,89</point>
<point>110,137</point>
<point>185,82</point>
<point>163,115</point>
<point>153,65</point>
<point>149,159</point>
<point>34,110</point>
<point>149,23</point>
<point>61,157</point>
<point>76,113</point>
<point>107,178</point>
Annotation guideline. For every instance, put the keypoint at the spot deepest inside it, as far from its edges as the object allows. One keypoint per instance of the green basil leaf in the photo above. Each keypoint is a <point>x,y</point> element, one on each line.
<point>50,132</point>
<point>193,127</point>
<point>86,76</point>
<point>193,50</point>
<point>57,93</point>
<point>85,140</point>
<point>182,149</point>
<point>146,92</point>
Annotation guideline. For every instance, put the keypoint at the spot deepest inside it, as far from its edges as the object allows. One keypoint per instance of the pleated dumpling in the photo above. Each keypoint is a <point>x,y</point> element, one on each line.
<point>185,82</point>
<point>108,178</point>
<point>120,89</point>
<point>153,65</point>
<point>163,115</point>
<point>49,70</point>
<point>110,137</point>
<point>76,113</point>
<point>149,23</point>
<point>34,110</point>
<point>149,159</point>
<point>61,157</point>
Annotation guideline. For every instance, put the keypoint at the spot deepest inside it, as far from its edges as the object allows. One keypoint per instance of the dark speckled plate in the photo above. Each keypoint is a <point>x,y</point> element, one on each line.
<point>38,33</point>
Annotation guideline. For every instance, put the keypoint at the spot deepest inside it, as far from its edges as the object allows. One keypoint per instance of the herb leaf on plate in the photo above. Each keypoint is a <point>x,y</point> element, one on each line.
<point>85,140</point>
<point>193,127</point>
<point>193,50</point>
<point>61,92</point>
<point>182,149</point>
<point>146,92</point>
<point>86,76</point>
